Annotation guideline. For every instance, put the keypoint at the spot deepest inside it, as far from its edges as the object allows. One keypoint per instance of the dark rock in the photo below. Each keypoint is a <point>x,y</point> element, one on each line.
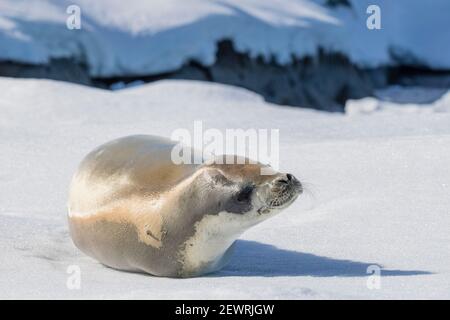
<point>324,81</point>
<point>57,69</point>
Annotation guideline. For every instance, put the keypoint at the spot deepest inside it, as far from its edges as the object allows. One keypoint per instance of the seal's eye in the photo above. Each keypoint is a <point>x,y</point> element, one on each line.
<point>240,202</point>
<point>245,194</point>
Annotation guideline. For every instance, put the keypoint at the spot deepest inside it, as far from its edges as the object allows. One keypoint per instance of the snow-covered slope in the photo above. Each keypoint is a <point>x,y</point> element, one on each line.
<point>397,99</point>
<point>380,189</point>
<point>138,37</point>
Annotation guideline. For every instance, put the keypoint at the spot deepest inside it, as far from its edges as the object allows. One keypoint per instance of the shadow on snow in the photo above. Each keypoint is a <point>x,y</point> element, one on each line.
<point>252,258</point>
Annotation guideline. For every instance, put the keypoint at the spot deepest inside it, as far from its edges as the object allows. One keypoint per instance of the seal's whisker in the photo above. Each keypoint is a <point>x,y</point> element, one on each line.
<point>309,188</point>
<point>310,193</point>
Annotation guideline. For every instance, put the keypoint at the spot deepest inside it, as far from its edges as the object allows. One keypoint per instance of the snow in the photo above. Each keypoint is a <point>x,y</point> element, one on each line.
<point>139,37</point>
<point>378,193</point>
<point>397,99</point>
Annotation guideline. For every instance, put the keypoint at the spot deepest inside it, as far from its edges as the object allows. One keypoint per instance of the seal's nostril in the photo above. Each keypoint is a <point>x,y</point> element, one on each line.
<point>293,181</point>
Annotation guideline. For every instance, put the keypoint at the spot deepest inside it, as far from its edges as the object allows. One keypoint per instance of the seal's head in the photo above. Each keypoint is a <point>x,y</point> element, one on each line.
<point>252,188</point>
<point>237,197</point>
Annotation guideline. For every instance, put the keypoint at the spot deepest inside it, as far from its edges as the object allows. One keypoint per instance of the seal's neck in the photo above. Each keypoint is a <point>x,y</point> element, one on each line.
<point>207,234</point>
<point>207,250</point>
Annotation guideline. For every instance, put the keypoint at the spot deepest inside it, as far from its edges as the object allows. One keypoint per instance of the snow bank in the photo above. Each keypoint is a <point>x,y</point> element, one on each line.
<point>398,99</point>
<point>141,37</point>
<point>379,184</point>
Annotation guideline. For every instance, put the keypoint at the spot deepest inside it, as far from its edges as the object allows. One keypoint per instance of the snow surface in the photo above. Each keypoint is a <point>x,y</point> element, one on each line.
<point>397,99</point>
<point>138,37</point>
<point>379,193</point>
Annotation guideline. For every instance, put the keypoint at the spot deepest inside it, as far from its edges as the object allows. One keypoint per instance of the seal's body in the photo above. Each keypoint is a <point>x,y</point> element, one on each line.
<point>133,209</point>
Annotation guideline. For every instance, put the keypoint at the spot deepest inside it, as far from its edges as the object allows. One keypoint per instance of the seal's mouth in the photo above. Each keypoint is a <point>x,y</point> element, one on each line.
<point>283,201</point>
<point>284,192</point>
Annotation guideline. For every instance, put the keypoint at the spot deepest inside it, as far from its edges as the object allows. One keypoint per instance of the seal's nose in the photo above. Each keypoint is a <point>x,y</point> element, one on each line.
<point>290,180</point>
<point>293,181</point>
